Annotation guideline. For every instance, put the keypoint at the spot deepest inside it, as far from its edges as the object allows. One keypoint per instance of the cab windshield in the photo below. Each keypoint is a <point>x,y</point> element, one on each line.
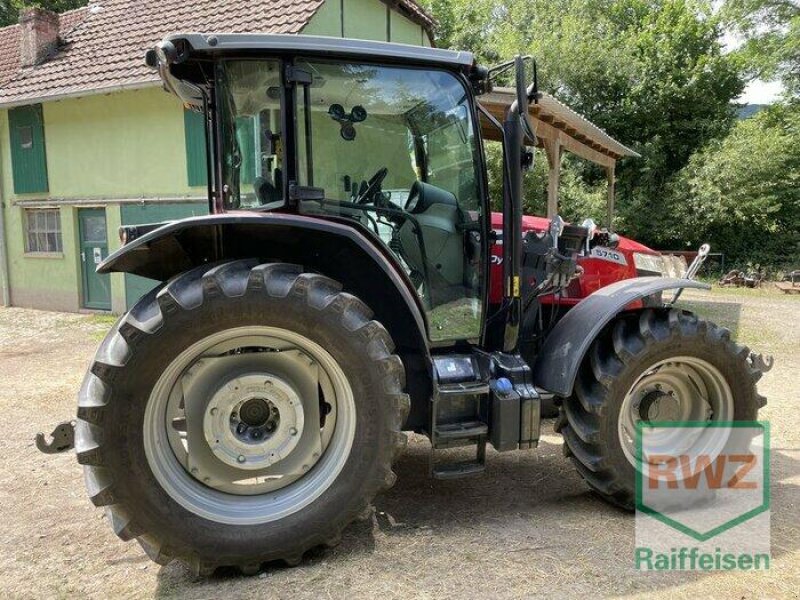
<point>392,149</point>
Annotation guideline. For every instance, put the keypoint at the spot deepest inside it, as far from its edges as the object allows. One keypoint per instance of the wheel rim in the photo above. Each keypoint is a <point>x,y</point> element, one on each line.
<point>249,425</point>
<point>682,389</point>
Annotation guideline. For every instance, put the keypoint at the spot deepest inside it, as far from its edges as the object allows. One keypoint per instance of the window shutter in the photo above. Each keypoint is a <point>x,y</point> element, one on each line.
<point>195,131</point>
<point>28,152</point>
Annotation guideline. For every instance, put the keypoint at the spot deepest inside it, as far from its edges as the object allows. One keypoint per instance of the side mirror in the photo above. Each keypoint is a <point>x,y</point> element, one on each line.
<point>525,94</point>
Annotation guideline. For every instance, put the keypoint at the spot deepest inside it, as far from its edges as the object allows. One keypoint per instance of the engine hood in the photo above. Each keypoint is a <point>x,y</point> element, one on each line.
<point>540,224</point>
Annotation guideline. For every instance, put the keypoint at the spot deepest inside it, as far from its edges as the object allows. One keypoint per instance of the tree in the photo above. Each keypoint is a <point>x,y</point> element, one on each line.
<point>741,193</point>
<point>650,72</point>
<point>9,9</point>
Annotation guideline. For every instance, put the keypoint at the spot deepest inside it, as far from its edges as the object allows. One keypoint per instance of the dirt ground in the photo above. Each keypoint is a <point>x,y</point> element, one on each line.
<point>528,527</point>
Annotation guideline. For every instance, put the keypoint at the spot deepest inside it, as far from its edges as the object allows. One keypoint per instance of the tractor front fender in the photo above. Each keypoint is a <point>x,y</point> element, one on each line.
<point>340,251</point>
<point>563,351</point>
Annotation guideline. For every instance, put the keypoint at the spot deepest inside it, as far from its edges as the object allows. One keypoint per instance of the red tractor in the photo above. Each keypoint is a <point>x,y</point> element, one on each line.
<point>342,292</point>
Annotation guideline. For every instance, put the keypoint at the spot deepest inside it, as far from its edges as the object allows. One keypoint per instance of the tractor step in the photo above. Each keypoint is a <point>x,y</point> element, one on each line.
<point>453,435</point>
<point>458,470</point>
<point>463,389</point>
<point>459,416</point>
<point>461,431</point>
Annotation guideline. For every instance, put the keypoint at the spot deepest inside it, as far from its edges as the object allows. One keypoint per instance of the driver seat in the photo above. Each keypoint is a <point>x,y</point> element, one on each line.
<point>440,255</point>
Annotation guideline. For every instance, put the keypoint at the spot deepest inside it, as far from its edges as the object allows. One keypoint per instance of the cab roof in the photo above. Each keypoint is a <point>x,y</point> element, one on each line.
<point>235,43</point>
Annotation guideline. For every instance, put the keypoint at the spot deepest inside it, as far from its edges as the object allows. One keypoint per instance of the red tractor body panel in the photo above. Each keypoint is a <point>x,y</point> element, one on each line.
<point>604,267</point>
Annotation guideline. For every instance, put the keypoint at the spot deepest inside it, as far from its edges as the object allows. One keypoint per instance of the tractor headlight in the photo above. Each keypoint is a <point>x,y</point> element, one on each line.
<point>649,264</point>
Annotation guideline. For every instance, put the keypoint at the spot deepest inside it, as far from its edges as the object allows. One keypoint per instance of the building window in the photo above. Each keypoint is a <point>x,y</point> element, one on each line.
<point>43,231</point>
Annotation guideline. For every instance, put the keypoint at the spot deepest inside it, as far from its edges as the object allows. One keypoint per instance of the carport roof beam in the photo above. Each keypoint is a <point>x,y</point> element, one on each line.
<point>554,120</point>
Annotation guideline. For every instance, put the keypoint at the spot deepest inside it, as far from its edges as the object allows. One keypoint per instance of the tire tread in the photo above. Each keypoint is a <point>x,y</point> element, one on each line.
<point>188,292</point>
<point>584,414</point>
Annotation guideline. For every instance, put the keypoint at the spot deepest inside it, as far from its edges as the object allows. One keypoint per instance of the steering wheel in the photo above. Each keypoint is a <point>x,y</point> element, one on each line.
<point>373,185</point>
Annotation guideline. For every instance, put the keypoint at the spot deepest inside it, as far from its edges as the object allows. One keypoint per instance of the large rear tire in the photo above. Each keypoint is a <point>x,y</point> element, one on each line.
<point>640,359</point>
<point>240,414</point>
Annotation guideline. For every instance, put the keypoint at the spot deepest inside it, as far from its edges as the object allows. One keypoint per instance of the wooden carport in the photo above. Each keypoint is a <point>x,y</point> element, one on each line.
<point>558,129</point>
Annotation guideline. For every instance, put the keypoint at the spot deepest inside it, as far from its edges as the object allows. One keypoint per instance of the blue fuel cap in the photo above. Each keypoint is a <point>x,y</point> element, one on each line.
<point>503,386</point>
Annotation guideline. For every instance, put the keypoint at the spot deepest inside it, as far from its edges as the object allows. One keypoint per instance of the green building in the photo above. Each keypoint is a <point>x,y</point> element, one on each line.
<point>89,141</point>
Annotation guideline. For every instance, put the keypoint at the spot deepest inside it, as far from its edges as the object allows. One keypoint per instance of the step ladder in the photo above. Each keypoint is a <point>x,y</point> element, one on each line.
<point>458,419</point>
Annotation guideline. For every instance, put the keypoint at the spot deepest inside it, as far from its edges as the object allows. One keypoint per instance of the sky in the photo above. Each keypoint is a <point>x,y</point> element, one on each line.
<point>761,92</point>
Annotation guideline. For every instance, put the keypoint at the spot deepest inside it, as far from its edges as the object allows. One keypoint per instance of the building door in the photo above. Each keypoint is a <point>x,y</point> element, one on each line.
<point>94,248</point>
<point>139,214</point>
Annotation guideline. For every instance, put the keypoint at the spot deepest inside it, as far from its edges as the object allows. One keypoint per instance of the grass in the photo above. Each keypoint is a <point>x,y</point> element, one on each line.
<point>455,320</point>
<point>108,320</point>
<point>756,317</point>
<point>101,324</point>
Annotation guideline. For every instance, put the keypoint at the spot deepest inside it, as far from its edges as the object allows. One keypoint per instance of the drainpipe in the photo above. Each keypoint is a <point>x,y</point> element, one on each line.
<point>6,295</point>
<point>5,285</point>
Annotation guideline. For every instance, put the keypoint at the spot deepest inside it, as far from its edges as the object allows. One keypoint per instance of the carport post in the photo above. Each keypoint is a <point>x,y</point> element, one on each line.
<point>610,178</point>
<point>552,148</point>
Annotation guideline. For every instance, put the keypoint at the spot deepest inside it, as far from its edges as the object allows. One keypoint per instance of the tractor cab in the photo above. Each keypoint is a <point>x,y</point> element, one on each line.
<point>387,144</point>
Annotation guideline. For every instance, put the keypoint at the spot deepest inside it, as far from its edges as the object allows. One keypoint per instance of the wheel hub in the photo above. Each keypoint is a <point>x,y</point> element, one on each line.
<point>257,412</point>
<point>657,405</point>
<point>253,421</point>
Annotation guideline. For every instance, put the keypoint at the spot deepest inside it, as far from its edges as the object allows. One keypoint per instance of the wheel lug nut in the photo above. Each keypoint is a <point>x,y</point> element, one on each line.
<point>241,458</point>
<point>214,411</point>
<point>293,431</point>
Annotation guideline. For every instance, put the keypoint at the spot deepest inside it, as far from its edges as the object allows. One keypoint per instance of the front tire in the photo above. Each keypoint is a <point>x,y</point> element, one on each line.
<point>624,372</point>
<point>240,414</point>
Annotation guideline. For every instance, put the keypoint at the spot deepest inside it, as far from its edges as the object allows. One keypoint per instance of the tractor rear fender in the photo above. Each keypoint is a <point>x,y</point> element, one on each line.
<point>335,249</point>
<point>557,363</point>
